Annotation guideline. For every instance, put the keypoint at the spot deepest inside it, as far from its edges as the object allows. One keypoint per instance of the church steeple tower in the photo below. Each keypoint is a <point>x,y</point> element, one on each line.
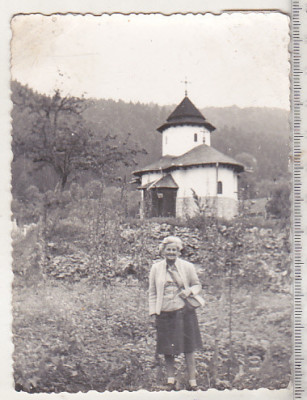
<point>184,129</point>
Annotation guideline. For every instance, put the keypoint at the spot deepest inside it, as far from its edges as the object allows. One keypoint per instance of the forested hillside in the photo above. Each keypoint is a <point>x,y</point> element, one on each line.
<point>115,138</point>
<point>262,132</point>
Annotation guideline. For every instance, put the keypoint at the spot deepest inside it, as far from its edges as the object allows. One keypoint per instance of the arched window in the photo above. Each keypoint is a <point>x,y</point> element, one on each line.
<point>219,187</point>
<point>195,137</point>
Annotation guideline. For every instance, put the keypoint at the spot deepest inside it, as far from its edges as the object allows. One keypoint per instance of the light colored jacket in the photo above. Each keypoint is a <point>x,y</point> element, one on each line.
<point>157,279</point>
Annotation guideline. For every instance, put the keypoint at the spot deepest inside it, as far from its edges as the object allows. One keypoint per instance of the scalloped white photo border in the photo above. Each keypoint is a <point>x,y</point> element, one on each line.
<point>7,10</point>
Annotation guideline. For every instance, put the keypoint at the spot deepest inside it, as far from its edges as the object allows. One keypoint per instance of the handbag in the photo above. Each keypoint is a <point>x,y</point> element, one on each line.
<point>194,300</point>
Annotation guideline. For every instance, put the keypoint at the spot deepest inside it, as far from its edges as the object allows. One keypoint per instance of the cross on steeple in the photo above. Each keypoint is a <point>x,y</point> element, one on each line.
<point>186,86</point>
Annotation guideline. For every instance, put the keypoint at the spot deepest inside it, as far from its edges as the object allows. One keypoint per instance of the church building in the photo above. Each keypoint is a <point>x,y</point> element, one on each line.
<point>191,176</point>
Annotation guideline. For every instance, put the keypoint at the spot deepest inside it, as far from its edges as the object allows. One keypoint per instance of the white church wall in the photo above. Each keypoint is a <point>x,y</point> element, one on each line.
<point>200,179</point>
<point>203,180</point>
<point>180,139</point>
<point>229,180</point>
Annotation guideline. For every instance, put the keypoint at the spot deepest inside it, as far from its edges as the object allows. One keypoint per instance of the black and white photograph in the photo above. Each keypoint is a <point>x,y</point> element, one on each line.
<point>151,184</point>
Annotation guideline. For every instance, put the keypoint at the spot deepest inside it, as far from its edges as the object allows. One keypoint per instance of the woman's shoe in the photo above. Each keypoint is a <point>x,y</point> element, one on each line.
<point>171,386</point>
<point>193,388</point>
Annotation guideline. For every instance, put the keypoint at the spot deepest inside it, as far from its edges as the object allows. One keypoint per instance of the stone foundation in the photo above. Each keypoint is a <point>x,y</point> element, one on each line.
<point>221,207</point>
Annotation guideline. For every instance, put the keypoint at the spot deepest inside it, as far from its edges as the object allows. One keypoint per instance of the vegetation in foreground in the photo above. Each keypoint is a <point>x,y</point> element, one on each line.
<point>80,338</point>
<point>81,325</point>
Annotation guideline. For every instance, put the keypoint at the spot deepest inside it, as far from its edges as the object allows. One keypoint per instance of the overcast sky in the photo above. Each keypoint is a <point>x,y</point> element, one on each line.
<point>237,58</point>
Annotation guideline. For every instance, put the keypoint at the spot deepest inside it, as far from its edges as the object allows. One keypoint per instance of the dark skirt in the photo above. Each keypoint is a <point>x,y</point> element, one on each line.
<point>177,332</point>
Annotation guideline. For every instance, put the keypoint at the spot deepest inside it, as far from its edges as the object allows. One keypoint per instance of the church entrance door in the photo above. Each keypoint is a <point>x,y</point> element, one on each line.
<point>163,202</point>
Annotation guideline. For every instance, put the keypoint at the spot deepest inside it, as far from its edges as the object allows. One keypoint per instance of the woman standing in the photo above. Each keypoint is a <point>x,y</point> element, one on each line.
<point>171,282</point>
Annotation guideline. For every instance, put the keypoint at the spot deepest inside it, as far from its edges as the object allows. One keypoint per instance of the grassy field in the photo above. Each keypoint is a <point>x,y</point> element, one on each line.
<point>85,336</point>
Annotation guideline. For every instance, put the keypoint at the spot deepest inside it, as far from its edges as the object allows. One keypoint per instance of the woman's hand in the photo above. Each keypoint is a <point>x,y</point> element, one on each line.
<point>185,293</point>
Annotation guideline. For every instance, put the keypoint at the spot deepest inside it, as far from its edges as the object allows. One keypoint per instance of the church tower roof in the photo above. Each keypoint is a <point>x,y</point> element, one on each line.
<point>200,155</point>
<point>186,114</point>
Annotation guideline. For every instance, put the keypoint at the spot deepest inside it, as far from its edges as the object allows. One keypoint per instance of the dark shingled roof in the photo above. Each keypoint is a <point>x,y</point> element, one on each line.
<point>166,181</point>
<point>186,114</point>
<point>200,155</point>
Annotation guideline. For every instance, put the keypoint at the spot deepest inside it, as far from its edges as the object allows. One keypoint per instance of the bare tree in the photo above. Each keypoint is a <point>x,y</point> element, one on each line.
<point>51,130</point>
<point>55,134</point>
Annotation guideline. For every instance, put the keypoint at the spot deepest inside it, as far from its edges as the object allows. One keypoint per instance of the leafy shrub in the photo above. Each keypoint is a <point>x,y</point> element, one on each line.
<point>133,203</point>
<point>93,189</point>
<point>112,199</point>
<point>76,191</point>
<point>32,194</point>
<point>68,230</point>
<point>27,208</point>
<point>279,205</point>
<point>26,257</point>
